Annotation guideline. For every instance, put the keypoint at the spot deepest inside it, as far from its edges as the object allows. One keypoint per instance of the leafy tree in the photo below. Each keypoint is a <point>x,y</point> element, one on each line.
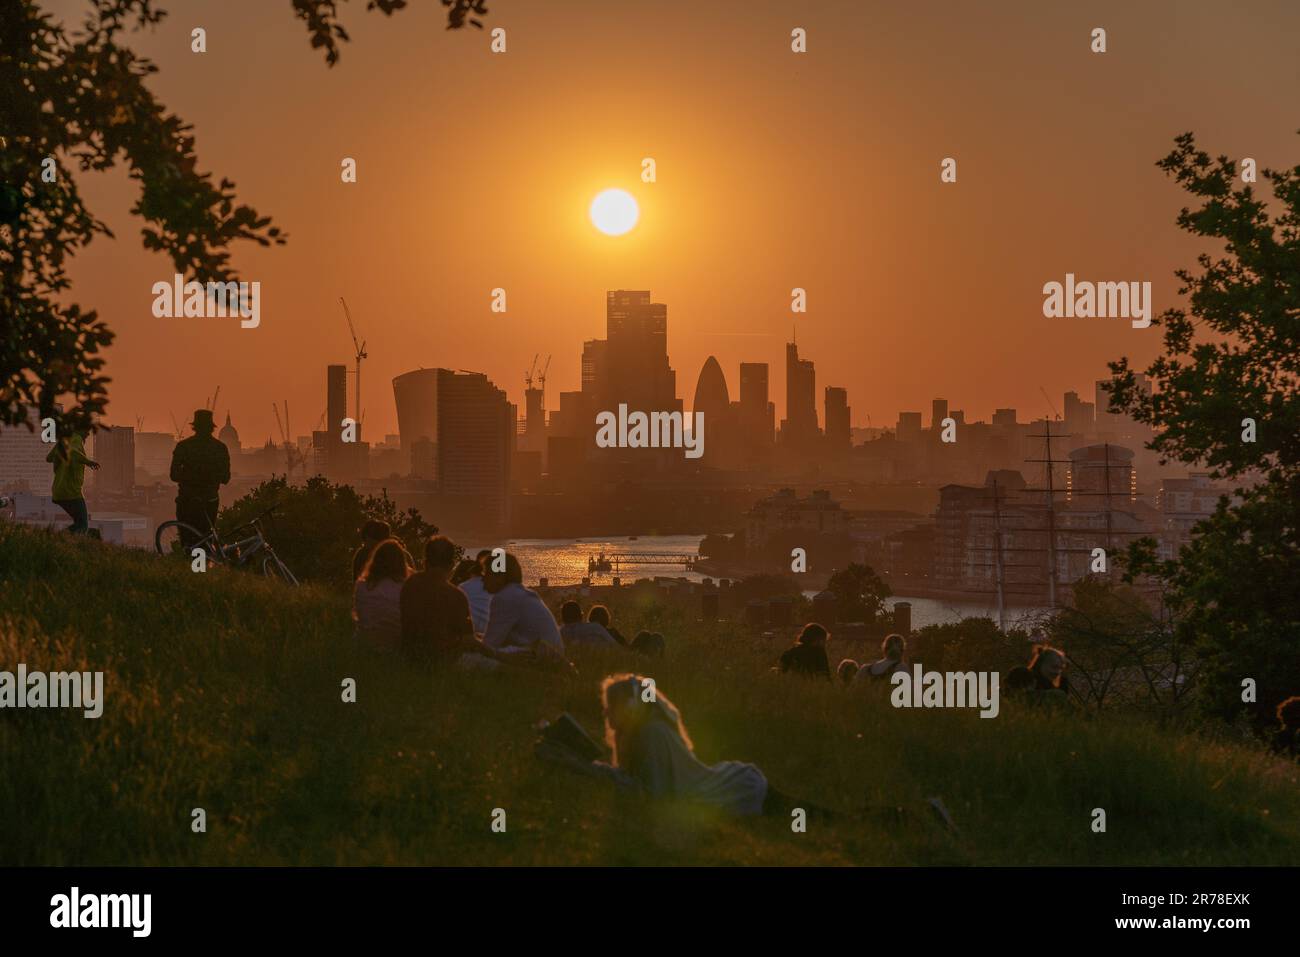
<point>860,592</point>
<point>972,644</point>
<point>1120,651</point>
<point>1233,355</point>
<point>315,527</point>
<point>79,100</point>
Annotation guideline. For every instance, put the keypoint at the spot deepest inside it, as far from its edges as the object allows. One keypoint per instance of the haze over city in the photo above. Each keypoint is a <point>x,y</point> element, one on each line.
<point>773,172</point>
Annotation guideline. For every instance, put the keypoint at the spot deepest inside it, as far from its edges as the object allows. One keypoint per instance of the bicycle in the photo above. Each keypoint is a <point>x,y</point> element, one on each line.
<point>170,536</point>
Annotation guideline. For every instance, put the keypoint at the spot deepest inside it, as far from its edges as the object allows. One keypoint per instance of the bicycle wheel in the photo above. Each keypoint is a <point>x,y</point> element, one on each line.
<point>272,567</point>
<point>170,536</point>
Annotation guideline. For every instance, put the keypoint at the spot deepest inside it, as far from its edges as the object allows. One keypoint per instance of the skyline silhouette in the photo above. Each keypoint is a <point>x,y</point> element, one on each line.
<point>773,172</point>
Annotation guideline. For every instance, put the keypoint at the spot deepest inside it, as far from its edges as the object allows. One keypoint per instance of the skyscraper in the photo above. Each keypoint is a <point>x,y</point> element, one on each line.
<point>471,426</point>
<point>634,366</point>
<point>909,427</point>
<point>838,434</point>
<point>714,401</point>
<point>799,428</point>
<point>336,410</point>
<point>757,412</point>
<point>938,412</point>
<point>1079,416</point>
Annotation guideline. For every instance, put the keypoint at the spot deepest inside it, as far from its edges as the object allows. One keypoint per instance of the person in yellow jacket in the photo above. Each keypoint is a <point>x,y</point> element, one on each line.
<point>70,462</point>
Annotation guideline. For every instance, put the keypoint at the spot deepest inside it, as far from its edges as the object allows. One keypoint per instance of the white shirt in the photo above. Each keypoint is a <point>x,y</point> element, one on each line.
<point>480,601</point>
<point>590,633</point>
<point>519,620</point>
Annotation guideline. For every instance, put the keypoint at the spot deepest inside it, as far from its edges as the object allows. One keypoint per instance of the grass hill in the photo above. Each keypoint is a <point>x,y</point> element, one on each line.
<point>223,692</point>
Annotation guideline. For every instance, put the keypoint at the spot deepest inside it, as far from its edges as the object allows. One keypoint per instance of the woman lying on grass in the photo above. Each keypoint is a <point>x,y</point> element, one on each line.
<point>653,754</point>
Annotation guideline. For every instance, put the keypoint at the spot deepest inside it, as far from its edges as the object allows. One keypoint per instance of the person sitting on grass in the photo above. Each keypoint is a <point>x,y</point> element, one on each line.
<point>436,626</point>
<point>807,656</point>
<point>599,615</point>
<point>575,631</point>
<point>520,626</point>
<point>653,754</point>
<point>648,643</point>
<point>892,650</point>
<point>1048,669</point>
<point>847,671</point>
<point>372,533</point>
<point>377,594</point>
<point>469,579</point>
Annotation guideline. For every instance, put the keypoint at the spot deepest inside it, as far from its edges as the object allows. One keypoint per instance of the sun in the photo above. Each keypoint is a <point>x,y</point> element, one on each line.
<point>614,212</point>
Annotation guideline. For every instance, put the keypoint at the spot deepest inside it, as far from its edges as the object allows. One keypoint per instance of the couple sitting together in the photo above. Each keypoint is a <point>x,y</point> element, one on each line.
<point>428,619</point>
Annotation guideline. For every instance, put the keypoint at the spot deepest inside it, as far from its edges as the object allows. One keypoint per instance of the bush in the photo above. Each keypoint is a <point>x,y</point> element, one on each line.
<point>316,527</point>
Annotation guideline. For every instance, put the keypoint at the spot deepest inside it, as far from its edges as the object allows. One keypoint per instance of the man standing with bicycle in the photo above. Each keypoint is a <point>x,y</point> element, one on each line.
<point>200,466</point>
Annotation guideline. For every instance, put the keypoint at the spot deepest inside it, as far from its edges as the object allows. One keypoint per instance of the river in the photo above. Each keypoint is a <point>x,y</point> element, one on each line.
<point>564,561</point>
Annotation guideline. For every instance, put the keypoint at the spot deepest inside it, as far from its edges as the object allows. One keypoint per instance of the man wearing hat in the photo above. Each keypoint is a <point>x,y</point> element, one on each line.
<point>200,466</point>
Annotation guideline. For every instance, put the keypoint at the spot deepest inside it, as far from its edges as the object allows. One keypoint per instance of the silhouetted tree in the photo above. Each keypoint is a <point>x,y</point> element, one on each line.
<point>315,527</point>
<point>860,592</point>
<point>79,99</point>
<point>1233,355</point>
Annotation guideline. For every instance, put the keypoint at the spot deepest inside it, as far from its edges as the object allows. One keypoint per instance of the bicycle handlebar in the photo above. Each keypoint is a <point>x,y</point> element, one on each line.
<point>255,519</point>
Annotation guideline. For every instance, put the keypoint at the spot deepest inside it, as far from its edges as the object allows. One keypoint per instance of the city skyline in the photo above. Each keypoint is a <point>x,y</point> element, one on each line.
<point>914,286</point>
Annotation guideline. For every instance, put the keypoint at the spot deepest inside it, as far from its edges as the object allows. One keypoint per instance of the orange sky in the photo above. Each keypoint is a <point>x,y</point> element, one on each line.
<point>775,170</point>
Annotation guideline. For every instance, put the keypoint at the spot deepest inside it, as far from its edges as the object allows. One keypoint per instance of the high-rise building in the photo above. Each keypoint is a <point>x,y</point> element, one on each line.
<point>714,400</point>
<point>471,425</point>
<point>632,365</point>
<point>1079,415</point>
<point>938,412</point>
<point>1004,418</point>
<point>757,412</point>
<point>114,450</point>
<point>909,427</point>
<point>799,428</point>
<point>22,458</point>
<point>838,432</point>
<point>336,410</point>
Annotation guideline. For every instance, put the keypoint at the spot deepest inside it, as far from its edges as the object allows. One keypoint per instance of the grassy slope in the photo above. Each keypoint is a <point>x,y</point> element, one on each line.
<point>223,692</point>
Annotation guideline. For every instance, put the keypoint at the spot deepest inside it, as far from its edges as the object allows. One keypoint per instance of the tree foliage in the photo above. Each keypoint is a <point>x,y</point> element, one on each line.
<point>78,100</point>
<point>860,593</point>
<point>1234,354</point>
<point>316,527</point>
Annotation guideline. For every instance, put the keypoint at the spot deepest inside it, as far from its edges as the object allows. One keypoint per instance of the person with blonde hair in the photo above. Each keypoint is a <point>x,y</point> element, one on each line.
<point>376,596</point>
<point>652,753</point>
<point>892,650</point>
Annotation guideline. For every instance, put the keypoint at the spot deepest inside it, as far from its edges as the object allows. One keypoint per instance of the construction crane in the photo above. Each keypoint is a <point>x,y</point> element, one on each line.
<point>361,354</point>
<point>291,458</point>
<point>528,376</point>
<point>541,383</point>
<point>139,423</point>
<point>213,404</point>
<point>176,428</point>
